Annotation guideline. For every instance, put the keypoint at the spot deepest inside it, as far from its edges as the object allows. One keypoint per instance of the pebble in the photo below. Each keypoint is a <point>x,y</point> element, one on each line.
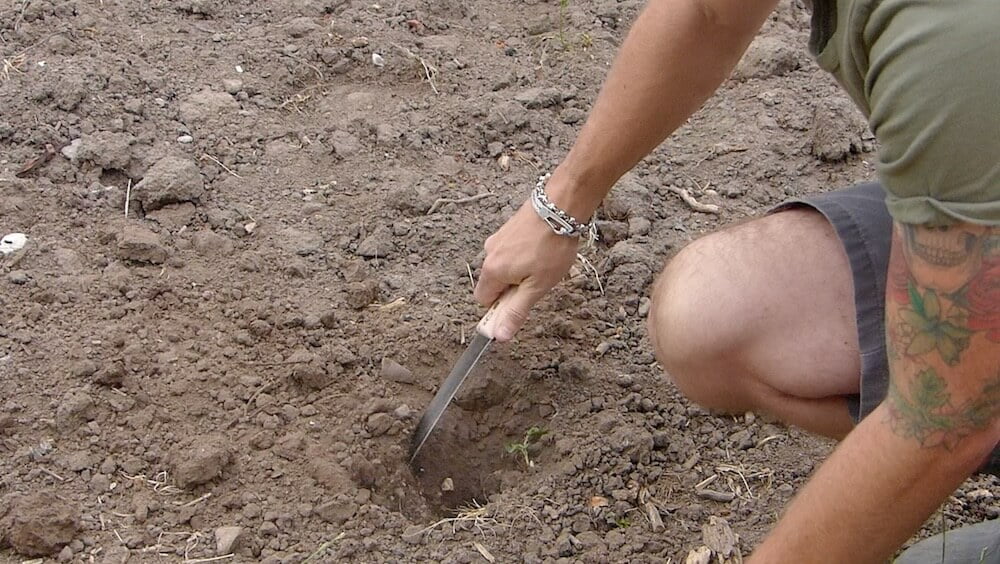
<point>232,85</point>
<point>395,372</point>
<point>185,139</point>
<point>225,539</point>
<point>18,277</point>
<point>12,242</point>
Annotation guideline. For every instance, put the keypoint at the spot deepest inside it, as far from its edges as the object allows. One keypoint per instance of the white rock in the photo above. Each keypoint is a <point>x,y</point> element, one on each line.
<point>377,60</point>
<point>185,139</point>
<point>12,242</point>
<point>448,485</point>
<point>225,539</point>
<point>70,151</point>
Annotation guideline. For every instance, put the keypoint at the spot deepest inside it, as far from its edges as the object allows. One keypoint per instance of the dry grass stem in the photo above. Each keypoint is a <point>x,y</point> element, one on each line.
<point>53,474</point>
<point>706,481</point>
<point>590,268</point>
<point>218,162</point>
<point>318,554</point>
<point>128,196</point>
<point>430,71</point>
<point>475,515</point>
<point>468,199</point>
<point>194,501</point>
<point>484,552</point>
<point>472,279</point>
<point>159,483</point>
<point>213,559</point>
<point>13,64</point>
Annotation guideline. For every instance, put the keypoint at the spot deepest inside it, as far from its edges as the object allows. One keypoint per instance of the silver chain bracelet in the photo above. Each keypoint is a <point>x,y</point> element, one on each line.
<point>561,222</point>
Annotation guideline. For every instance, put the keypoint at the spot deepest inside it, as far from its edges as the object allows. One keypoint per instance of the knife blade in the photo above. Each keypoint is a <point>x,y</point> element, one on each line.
<point>479,345</point>
<point>477,348</point>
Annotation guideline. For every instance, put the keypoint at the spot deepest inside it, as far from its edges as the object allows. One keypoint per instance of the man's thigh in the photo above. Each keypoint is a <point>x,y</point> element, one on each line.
<point>774,299</point>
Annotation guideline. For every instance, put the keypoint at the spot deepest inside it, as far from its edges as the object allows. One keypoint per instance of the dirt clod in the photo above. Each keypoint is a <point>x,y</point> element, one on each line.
<point>171,180</point>
<point>39,524</point>
<point>138,244</point>
<point>203,460</point>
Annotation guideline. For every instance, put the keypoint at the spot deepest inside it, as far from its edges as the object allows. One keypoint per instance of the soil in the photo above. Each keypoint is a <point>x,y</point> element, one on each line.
<point>251,230</point>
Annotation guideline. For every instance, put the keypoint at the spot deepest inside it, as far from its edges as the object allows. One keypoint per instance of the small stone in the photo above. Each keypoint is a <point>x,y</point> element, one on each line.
<point>185,139</point>
<point>361,294</point>
<point>395,372</point>
<point>403,412</point>
<point>448,485</point>
<point>18,277</point>
<point>232,85</point>
<point>226,538</point>
<point>12,242</point>
<point>72,150</point>
<point>66,554</point>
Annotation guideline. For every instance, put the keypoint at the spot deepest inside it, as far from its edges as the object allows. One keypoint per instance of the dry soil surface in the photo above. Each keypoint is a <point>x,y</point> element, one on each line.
<point>252,228</point>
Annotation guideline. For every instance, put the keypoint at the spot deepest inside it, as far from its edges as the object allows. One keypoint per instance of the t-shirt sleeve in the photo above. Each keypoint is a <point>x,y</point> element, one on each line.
<point>933,87</point>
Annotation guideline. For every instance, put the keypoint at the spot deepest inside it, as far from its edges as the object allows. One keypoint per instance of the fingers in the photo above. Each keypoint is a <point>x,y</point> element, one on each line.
<point>489,287</point>
<point>512,312</point>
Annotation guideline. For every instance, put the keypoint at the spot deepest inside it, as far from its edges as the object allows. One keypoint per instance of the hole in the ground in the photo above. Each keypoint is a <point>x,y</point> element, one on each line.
<point>465,459</point>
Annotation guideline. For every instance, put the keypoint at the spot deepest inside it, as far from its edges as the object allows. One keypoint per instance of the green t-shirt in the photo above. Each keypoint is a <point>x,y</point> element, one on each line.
<point>926,73</point>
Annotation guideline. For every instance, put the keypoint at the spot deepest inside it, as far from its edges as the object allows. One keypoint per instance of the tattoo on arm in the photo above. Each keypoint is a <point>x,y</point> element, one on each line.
<point>925,411</point>
<point>943,325</point>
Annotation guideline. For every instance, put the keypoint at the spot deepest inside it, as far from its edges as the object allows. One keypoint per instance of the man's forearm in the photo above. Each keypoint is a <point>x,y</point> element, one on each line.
<point>676,55</point>
<point>870,496</point>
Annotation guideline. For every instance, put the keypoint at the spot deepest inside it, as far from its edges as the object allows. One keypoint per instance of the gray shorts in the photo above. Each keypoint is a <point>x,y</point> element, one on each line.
<point>859,216</point>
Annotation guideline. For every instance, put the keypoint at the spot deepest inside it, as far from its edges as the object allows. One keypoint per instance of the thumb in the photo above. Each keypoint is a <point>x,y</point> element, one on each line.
<point>512,311</point>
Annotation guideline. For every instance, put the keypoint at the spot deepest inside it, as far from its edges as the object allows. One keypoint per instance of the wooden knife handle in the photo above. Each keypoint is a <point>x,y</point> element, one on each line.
<point>488,323</point>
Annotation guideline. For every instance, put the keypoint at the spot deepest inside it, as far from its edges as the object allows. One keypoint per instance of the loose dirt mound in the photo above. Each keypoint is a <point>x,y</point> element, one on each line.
<point>236,211</point>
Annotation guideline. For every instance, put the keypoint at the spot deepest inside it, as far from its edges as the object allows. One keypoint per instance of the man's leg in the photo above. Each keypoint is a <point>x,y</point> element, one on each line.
<point>762,316</point>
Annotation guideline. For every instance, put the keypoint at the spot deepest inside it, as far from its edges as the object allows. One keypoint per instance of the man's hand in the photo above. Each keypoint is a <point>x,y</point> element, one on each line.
<point>527,254</point>
<point>676,55</point>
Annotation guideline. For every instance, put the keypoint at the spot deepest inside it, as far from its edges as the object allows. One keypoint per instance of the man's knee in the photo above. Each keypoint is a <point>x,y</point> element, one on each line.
<point>693,326</point>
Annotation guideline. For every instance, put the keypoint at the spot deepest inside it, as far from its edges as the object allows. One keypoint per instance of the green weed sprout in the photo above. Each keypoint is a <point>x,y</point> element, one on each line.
<point>531,437</point>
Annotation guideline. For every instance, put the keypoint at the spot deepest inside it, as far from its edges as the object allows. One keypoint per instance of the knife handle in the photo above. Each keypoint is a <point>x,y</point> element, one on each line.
<point>488,323</point>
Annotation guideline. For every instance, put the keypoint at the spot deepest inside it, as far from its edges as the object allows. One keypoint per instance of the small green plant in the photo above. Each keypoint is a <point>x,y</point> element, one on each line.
<point>623,522</point>
<point>563,9</point>
<point>531,437</point>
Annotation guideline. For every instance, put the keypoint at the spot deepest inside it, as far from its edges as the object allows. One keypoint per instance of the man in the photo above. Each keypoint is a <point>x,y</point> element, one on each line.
<point>872,314</point>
